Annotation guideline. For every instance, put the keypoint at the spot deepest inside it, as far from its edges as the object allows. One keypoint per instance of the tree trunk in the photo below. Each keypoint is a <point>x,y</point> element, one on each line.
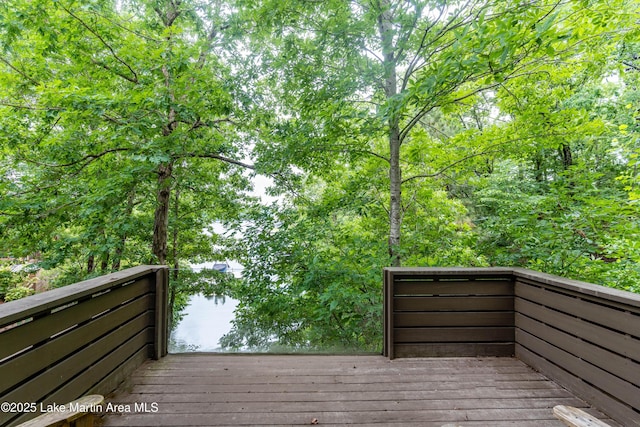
<point>161,219</point>
<point>172,301</point>
<point>105,262</point>
<point>395,187</point>
<point>117,255</point>
<point>176,211</point>
<point>567,157</point>
<point>386,31</point>
<point>165,170</point>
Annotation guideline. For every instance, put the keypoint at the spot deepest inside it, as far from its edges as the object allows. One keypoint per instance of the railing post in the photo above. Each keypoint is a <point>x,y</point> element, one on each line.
<point>388,314</point>
<point>161,313</point>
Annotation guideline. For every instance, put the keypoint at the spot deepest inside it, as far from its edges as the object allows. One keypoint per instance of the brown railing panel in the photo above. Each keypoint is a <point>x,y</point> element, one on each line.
<point>73,343</point>
<point>454,334</point>
<point>597,337</point>
<point>461,302</point>
<point>448,312</point>
<point>585,337</point>
<point>36,332</point>
<point>87,337</point>
<point>610,314</point>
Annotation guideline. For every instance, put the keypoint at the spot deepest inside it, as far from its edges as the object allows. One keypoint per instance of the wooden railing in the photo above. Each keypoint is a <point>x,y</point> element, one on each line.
<point>448,312</point>
<point>583,336</point>
<point>84,338</point>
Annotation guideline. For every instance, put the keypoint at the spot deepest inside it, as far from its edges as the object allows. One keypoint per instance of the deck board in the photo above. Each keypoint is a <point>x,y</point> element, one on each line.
<point>229,390</point>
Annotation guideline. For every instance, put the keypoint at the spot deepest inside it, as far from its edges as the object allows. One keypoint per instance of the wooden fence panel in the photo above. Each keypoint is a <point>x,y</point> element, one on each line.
<point>84,338</point>
<point>585,337</point>
<point>449,312</point>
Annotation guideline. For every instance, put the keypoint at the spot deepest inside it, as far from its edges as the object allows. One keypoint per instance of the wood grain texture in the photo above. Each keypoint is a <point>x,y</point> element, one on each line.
<point>466,318</point>
<point>466,349</point>
<point>71,415</point>
<point>459,303</point>
<point>574,417</point>
<point>210,390</point>
<point>457,287</point>
<point>80,338</point>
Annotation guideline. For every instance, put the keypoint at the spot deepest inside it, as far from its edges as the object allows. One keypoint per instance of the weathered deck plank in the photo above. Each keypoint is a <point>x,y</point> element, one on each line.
<point>212,390</point>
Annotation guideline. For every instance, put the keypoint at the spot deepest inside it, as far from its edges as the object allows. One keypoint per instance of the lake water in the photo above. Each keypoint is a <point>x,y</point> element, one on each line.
<point>205,321</point>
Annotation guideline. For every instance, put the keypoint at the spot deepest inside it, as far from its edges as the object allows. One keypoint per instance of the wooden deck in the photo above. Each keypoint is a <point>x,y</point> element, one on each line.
<point>88,337</point>
<point>216,390</point>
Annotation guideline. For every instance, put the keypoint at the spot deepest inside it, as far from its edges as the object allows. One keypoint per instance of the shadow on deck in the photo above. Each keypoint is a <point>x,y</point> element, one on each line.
<point>559,341</point>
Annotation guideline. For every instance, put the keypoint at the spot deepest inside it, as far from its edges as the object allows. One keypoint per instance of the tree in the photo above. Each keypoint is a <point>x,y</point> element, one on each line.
<point>105,103</point>
<point>362,71</point>
<point>557,202</point>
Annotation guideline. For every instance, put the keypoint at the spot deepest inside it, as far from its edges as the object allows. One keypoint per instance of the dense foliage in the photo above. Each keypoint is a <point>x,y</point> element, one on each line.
<point>420,132</point>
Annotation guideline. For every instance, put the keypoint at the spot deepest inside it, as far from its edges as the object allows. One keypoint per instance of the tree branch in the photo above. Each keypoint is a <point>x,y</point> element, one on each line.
<point>88,159</point>
<point>112,119</point>
<point>29,107</point>
<point>218,157</point>
<point>133,79</point>
<point>490,149</point>
<point>117,24</point>
<point>117,73</point>
<point>402,42</point>
<point>199,123</point>
<point>444,169</point>
<point>210,37</point>
<point>631,65</point>
<point>22,73</point>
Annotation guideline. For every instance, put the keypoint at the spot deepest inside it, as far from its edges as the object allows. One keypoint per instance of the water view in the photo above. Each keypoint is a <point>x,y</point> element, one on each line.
<point>205,321</point>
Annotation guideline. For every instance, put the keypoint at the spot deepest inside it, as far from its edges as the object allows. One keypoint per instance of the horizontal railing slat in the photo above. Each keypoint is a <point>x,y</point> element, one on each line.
<point>469,287</point>
<point>624,320</point>
<point>457,334</point>
<point>613,340</point>
<point>29,363</point>
<point>620,366</point>
<point>603,380</point>
<point>454,350</point>
<point>466,303</point>
<point>401,273</point>
<point>458,318</point>
<point>44,327</point>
